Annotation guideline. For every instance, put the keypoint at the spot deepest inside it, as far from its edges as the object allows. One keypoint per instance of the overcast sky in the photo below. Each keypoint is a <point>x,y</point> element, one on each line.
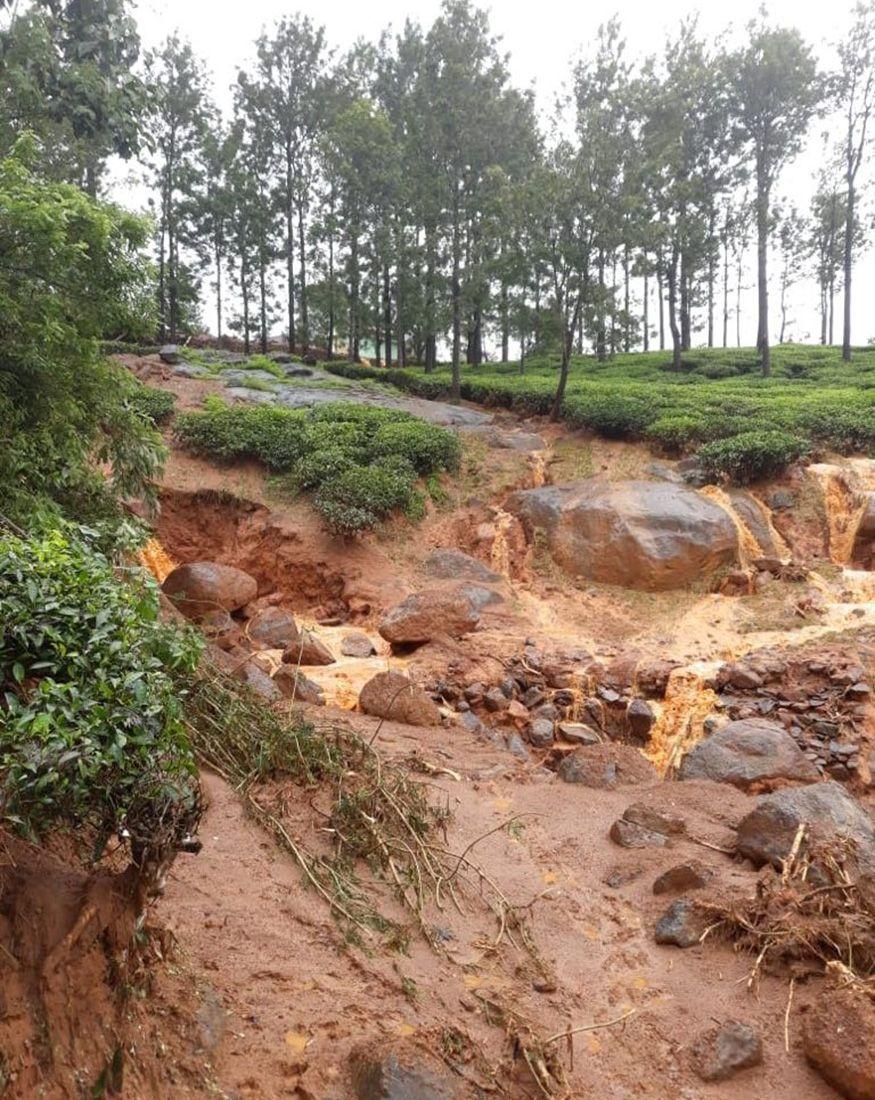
<point>541,38</point>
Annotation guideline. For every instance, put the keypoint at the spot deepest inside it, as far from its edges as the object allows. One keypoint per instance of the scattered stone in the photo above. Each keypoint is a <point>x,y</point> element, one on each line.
<point>541,732</point>
<point>746,752</point>
<point>516,745</point>
<point>629,835</point>
<point>391,695</point>
<point>203,586</point>
<point>258,680</point>
<point>740,676</point>
<point>838,1037</point>
<point>680,925</point>
<point>658,821</point>
<point>454,565</point>
<point>307,649</point>
<point>386,1077</point>
<point>428,614</point>
<point>357,645</point>
<point>169,354</point>
<point>724,1050</point>
<point>689,875</point>
<point>579,733</point>
<point>605,766</point>
<point>767,833</point>
<point>296,686</point>
<point>653,535</point>
<point>273,628</point>
<point>495,700</point>
<point>517,711</point>
<point>470,721</point>
<point>622,876</point>
<point>639,719</point>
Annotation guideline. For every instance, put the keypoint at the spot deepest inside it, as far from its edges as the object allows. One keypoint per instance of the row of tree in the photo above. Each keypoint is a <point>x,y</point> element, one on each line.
<point>406,194</point>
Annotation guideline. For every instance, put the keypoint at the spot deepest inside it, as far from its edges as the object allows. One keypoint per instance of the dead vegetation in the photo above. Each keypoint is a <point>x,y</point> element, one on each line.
<point>814,913</point>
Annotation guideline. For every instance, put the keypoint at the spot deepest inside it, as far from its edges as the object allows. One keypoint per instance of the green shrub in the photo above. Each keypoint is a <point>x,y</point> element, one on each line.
<point>155,405</point>
<point>751,455</point>
<point>361,461</point>
<point>676,432</point>
<point>92,730</point>
<point>613,415</point>
<point>426,449</point>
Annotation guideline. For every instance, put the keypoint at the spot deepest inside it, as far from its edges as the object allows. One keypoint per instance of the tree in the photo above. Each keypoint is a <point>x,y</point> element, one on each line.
<point>177,127</point>
<point>855,94</point>
<point>794,251</point>
<point>68,73</point>
<point>828,214</point>
<point>775,90</point>
<point>71,272</point>
<point>290,89</point>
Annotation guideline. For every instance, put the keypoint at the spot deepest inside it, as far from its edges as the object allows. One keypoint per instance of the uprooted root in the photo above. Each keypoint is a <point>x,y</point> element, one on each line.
<point>813,913</point>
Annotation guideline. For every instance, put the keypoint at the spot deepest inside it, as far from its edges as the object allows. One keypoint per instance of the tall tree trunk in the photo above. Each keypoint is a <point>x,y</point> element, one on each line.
<point>676,334</point>
<point>430,336</point>
<point>660,288</point>
<point>685,319</point>
<point>848,260</point>
<point>712,276</point>
<point>262,290</point>
<point>601,343</point>
<point>290,250</point>
<point>354,293</point>
<point>738,276</point>
<point>331,283</point>
<point>568,329</point>
<point>244,290</point>
<point>387,314</point>
<point>456,294</point>
<point>646,307</point>
<point>832,307</point>
<point>627,333</point>
<point>218,255</point>
<point>505,323</point>
<point>726,293</point>
<point>763,194</point>
<point>302,269</point>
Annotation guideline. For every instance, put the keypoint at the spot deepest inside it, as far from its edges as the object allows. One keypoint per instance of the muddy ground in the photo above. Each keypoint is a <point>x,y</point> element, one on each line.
<point>258,991</point>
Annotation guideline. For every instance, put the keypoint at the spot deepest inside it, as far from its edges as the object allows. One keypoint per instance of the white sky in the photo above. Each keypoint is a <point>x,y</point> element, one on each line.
<point>541,39</point>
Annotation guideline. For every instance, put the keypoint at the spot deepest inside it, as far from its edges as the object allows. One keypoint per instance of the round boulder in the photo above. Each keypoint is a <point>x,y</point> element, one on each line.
<point>651,535</point>
<point>746,752</point>
<point>204,586</point>
<point>428,614</point>
<point>391,695</point>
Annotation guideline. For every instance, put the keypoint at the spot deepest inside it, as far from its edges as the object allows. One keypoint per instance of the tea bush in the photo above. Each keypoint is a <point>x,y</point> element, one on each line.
<point>751,456</point>
<point>91,729</point>
<point>361,462</point>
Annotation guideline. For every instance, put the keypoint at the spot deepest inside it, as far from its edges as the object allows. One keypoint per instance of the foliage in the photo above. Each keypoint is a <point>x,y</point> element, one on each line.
<point>153,404</point>
<point>751,456</point>
<point>91,729</point>
<point>361,462</point>
<point>71,273</point>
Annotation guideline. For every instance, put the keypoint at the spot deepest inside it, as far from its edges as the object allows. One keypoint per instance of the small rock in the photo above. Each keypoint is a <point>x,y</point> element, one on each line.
<point>723,1051</point>
<point>629,835</point>
<point>455,565</point>
<point>579,733</point>
<point>273,628</point>
<point>689,875</point>
<point>680,925</point>
<point>516,746</point>
<point>517,711</point>
<point>838,1037</point>
<point>657,821</point>
<point>307,649</point>
<point>740,676</point>
<point>605,766</point>
<point>357,645</point>
<point>541,732</point>
<point>388,1077</point>
<point>258,680</point>
<point>495,700</point>
<point>747,752</point>
<point>639,719</point>
<point>470,721</point>
<point>169,354</point>
<point>296,686</point>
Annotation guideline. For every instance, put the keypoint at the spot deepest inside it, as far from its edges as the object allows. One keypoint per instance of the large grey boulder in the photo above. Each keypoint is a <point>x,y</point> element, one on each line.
<point>749,751</point>
<point>430,613</point>
<point>652,535</point>
<point>767,833</point>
